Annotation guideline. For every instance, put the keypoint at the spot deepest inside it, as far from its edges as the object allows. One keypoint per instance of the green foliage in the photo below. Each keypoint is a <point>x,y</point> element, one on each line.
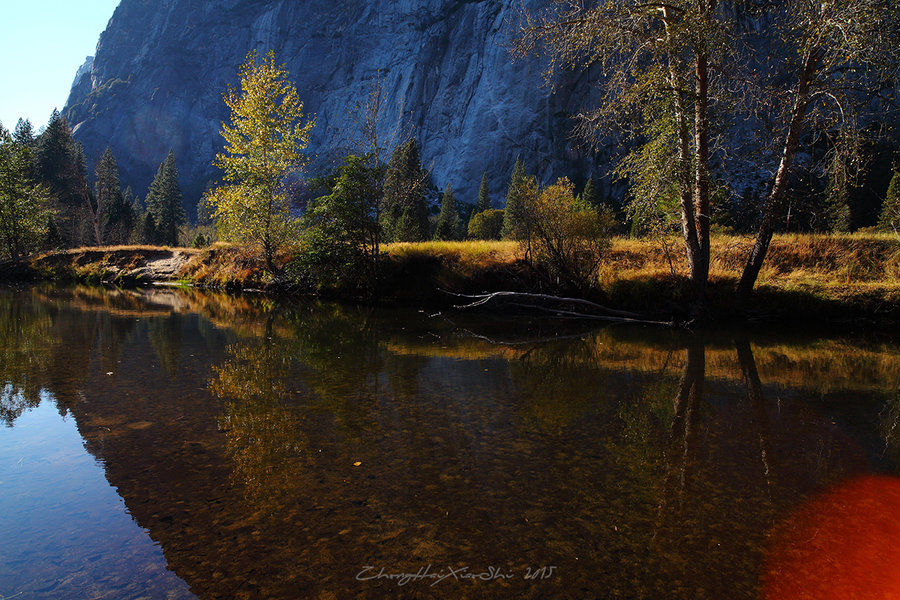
<point>52,238</point>
<point>889,219</point>
<point>590,195</point>
<point>164,202</point>
<point>837,202</point>
<point>404,213</point>
<point>486,225</point>
<point>565,235</point>
<point>263,144</point>
<point>59,164</point>
<point>522,188</point>
<point>148,233</point>
<point>448,225</point>
<point>340,238</point>
<point>200,241</point>
<point>484,199</point>
<point>23,204</point>
<point>116,211</point>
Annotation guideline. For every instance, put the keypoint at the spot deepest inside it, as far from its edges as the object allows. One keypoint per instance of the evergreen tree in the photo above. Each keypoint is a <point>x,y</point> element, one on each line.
<point>59,164</point>
<point>53,239</point>
<point>149,234</point>
<point>24,133</point>
<point>889,219</point>
<point>448,225</point>
<point>590,194</point>
<point>484,200</point>
<point>164,202</point>
<point>522,187</point>
<point>113,209</point>
<point>404,213</point>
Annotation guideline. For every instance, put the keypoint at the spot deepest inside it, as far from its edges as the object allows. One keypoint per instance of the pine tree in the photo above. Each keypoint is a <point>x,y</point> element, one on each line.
<point>837,196</point>
<point>59,164</point>
<point>521,188</point>
<point>404,213</point>
<point>889,220</point>
<point>590,194</point>
<point>448,222</point>
<point>24,133</point>
<point>164,202</point>
<point>149,234</point>
<point>484,200</point>
<point>113,210</point>
<point>52,240</point>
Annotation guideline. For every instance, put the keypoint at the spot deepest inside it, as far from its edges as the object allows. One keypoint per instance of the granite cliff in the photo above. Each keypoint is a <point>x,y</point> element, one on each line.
<point>161,67</point>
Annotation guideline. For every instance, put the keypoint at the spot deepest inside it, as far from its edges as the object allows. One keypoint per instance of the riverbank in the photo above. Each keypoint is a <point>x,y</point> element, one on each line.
<point>810,279</point>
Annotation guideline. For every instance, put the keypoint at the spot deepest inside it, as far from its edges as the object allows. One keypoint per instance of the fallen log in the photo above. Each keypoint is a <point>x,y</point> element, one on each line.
<point>557,306</point>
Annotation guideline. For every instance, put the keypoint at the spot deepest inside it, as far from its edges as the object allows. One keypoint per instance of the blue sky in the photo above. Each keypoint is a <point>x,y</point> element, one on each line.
<point>43,43</point>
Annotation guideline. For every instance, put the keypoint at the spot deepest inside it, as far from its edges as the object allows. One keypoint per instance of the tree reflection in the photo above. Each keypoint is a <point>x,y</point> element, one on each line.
<point>166,338</point>
<point>25,345</point>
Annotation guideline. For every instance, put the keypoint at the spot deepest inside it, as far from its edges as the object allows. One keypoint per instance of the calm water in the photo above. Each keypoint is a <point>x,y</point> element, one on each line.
<point>170,444</point>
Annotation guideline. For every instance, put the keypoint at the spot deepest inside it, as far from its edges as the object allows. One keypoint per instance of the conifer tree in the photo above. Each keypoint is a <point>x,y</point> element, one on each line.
<point>59,164</point>
<point>164,202</point>
<point>521,188</point>
<point>404,214</point>
<point>148,233</point>
<point>24,133</point>
<point>590,194</point>
<point>484,200</point>
<point>889,219</point>
<point>113,210</point>
<point>448,222</point>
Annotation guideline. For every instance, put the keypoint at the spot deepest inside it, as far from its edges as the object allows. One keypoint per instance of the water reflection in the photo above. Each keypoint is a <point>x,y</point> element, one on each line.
<point>276,449</point>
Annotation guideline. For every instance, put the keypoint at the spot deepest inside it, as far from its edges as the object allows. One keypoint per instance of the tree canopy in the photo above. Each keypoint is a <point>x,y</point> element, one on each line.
<point>263,144</point>
<point>164,203</point>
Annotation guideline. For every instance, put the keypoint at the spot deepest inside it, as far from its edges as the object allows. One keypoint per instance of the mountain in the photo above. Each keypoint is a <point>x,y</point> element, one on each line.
<point>162,66</point>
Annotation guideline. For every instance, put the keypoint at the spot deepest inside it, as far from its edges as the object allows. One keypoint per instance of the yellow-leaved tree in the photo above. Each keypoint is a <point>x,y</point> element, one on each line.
<point>263,144</point>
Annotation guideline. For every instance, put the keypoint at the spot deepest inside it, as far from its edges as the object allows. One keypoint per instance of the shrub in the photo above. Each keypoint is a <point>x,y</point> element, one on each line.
<point>486,225</point>
<point>566,236</point>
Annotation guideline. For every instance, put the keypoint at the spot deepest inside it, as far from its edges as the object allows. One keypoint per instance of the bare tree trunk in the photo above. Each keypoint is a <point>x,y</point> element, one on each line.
<point>779,189</point>
<point>700,270</point>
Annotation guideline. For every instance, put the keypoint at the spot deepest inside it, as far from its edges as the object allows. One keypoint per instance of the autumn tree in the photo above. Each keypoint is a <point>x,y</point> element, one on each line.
<point>656,62</point>
<point>839,57</point>
<point>263,144</point>
<point>565,235</point>
<point>164,204</point>
<point>670,73</point>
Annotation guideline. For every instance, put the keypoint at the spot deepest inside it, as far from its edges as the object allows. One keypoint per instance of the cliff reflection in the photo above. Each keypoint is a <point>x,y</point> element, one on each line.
<point>274,449</point>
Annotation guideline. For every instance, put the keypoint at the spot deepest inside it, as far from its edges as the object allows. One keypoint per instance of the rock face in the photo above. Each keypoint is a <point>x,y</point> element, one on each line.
<point>162,65</point>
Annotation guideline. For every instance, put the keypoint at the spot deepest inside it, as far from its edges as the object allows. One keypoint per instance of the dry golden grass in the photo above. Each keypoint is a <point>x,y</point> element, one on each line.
<point>864,261</point>
<point>134,248</point>
<point>477,252</point>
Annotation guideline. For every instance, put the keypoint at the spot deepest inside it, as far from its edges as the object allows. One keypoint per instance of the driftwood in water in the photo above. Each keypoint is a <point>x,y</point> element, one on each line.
<point>556,306</point>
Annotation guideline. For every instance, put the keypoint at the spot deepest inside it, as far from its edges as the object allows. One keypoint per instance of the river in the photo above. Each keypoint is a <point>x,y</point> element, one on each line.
<point>179,444</point>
